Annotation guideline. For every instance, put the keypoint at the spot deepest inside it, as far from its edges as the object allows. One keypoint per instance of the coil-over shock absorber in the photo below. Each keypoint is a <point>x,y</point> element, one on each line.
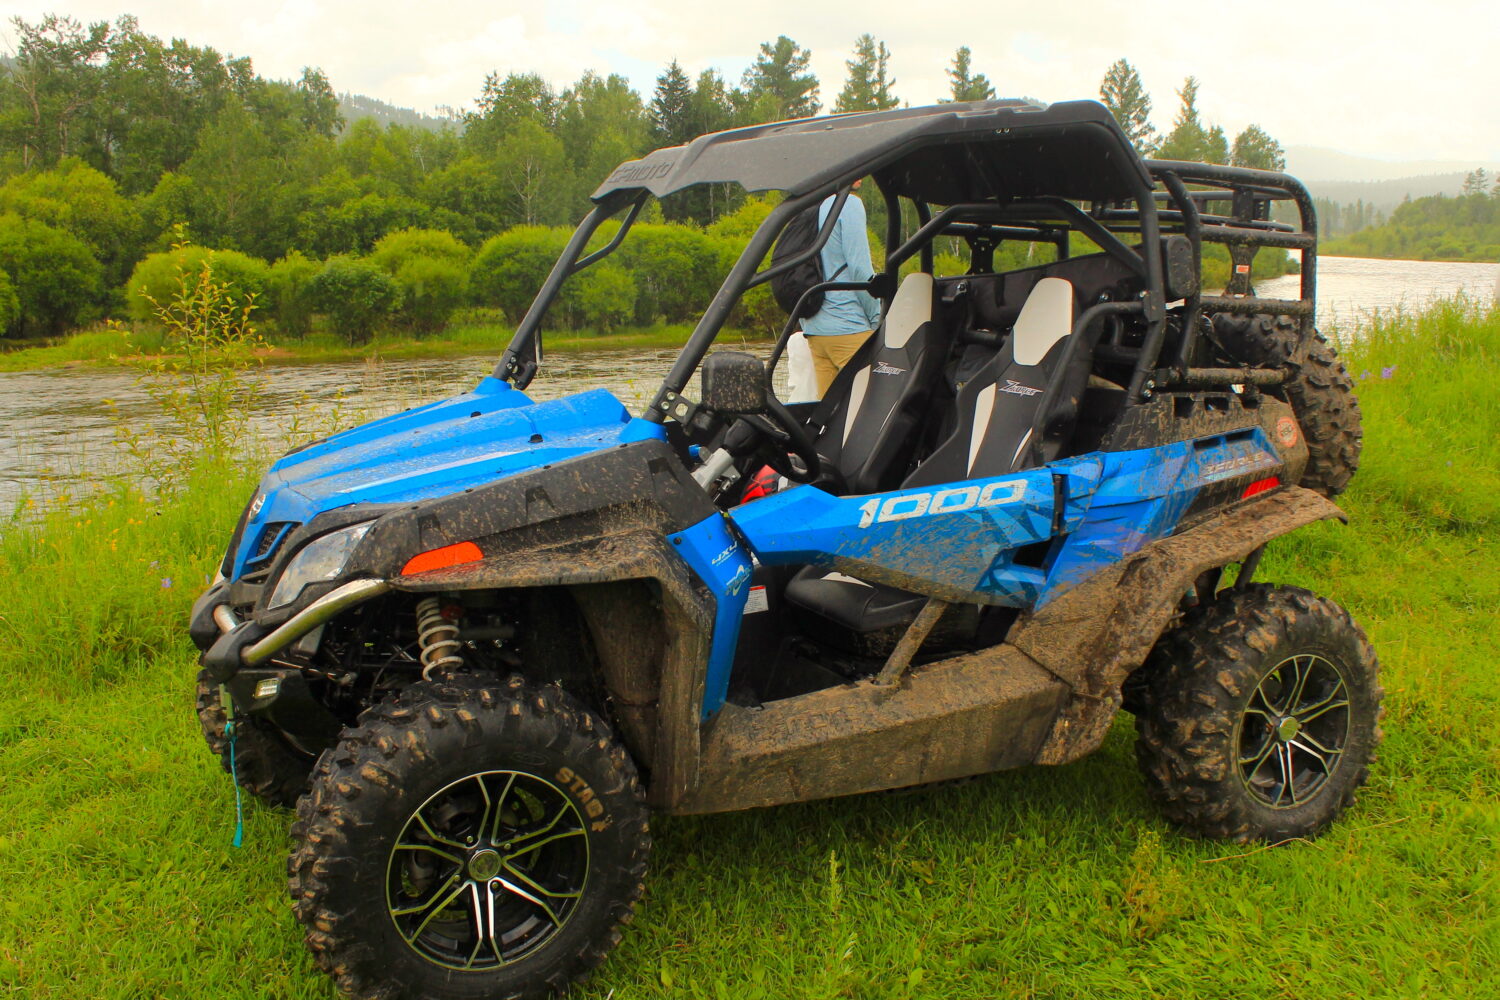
<point>438,638</point>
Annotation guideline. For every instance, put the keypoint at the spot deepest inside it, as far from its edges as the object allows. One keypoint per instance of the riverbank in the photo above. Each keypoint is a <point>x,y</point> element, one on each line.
<point>118,346</point>
<point>115,823</point>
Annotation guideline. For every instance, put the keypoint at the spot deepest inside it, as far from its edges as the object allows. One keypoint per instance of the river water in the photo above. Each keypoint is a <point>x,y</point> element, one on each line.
<point>58,428</point>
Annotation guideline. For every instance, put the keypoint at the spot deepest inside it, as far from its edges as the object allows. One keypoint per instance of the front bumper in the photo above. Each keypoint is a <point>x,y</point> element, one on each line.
<point>230,645</point>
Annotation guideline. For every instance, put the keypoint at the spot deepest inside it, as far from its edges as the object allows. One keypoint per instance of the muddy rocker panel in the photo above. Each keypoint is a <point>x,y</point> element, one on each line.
<point>1037,698</point>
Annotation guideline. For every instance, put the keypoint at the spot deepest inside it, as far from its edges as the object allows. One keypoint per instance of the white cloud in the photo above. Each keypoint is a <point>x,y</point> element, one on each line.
<point>1379,78</point>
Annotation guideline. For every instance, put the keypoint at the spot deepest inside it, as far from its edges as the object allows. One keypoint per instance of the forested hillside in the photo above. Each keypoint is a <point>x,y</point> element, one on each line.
<point>117,147</point>
<point>1436,228</point>
<point>357,107</point>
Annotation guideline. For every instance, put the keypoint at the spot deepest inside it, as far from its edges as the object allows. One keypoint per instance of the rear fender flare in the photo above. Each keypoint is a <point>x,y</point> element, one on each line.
<point>1094,635</point>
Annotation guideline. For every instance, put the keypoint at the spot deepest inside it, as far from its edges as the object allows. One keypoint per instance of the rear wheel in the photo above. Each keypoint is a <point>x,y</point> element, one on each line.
<point>264,761</point>
<point>1261,715</point>
<point>1317,386</point>
<point>469,840</point>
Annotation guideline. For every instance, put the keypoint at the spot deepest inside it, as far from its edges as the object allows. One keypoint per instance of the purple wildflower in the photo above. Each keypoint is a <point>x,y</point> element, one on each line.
<point>166,582</point>
<point>1388,372</point>
<point>1363,376</point>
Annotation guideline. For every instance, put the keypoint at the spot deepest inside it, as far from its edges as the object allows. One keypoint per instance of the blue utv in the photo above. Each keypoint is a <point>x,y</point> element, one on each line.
<point>479,642</point>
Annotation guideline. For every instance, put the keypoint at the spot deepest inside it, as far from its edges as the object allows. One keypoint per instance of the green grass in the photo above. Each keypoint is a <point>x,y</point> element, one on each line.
<point>115,822</point>
<point>113,346</point>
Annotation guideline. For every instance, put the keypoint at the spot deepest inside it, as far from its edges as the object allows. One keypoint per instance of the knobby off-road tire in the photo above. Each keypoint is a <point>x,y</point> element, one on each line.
<point>501,798</point>
<point>1317,386</point>
<point>1215,739</point>
<point>266,765</point>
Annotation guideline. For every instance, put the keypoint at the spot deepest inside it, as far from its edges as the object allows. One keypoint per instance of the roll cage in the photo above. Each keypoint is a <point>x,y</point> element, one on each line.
<point>998,171</point>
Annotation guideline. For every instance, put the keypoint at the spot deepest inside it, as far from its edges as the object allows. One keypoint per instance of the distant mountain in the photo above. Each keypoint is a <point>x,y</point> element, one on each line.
<point>1386,195</point>
<point>1380,184</point>
<point>355,107</point>
<point>1317,163</point>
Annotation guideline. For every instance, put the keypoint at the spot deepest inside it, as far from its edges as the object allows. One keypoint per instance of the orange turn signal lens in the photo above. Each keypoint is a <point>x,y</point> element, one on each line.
<point>1259,486</point>
<point>448,555</point>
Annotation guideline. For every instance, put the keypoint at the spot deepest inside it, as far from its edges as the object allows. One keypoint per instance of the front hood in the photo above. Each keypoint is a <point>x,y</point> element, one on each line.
<point>431,451</point>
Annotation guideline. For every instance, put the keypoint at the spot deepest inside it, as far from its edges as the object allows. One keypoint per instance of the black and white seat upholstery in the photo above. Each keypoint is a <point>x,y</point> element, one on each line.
<point>873,410</point>
<point>998,407</point>
<point>996,412</point>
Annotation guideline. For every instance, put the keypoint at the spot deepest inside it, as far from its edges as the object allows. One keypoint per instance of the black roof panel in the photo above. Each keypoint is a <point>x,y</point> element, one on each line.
<point>943,154</point>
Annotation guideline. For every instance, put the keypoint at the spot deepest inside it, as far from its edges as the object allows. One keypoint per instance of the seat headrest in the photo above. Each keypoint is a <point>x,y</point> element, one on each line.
<point>909,310</point>
<point>1046,318</point>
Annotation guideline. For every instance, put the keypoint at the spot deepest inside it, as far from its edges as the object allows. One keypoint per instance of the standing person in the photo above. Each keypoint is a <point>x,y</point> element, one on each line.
<point>847,318</point>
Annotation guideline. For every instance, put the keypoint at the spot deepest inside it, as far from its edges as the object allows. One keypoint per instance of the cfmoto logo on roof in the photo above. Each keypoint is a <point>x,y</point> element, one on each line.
<point>642,171</point>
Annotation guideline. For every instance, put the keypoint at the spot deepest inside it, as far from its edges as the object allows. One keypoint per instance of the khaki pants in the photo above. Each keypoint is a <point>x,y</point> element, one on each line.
<point>831,354</point>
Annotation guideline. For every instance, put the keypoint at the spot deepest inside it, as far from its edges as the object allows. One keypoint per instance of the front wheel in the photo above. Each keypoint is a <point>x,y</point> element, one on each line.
<point>261,757</point>
<point>1260,715</point>
<point>469,840</point>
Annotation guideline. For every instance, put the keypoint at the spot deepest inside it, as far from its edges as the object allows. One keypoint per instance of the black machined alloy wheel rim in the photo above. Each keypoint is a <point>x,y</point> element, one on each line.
<point>487,870</point>
<point>1294,730</point>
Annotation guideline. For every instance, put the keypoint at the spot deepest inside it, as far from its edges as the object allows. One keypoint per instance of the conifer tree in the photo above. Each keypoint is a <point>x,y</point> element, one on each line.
<point>1188,139</point>
<point>1125,96</point>
<point>1216,146</point>
<point>779,82</point>
<point>964,84</point>
<point>671,107</point>
<point>868,87</point>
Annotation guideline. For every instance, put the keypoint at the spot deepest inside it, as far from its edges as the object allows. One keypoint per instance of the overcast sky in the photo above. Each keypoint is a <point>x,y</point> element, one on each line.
<point>1379,78</point>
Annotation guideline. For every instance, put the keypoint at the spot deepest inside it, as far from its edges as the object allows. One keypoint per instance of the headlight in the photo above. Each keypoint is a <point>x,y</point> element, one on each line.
<point>321,559</point>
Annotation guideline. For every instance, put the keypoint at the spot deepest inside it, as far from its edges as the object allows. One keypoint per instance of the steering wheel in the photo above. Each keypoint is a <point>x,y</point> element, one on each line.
<point>786,434</point>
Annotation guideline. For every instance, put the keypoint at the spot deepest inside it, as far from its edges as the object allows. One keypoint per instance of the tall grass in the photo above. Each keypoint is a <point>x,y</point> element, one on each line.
<point>115,822</point>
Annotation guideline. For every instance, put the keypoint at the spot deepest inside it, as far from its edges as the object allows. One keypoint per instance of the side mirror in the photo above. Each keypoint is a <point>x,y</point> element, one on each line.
<point>734,382</point>
<point>1181,277</point>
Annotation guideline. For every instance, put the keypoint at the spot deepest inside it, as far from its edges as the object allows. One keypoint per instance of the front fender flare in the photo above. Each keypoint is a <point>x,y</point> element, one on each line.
<point>687,611</point>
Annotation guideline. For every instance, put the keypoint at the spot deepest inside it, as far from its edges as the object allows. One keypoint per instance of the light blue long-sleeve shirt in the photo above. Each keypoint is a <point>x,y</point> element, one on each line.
<point>845,312</point>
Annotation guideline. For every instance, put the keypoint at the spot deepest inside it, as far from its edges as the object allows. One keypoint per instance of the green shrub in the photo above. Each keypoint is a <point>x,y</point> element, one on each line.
<point>756,310</point>
<point>56,280</point>
<point>75,197</point>
<point>431,289</point>
<point>676,270</point>
<point>355,295</point>
<point>600,298</point>
<point>289,292</point>
<point>509,268</point>
<point>10,305</point>
<point>159,277</point>
<point>396,249</point>
<point>431,268</point>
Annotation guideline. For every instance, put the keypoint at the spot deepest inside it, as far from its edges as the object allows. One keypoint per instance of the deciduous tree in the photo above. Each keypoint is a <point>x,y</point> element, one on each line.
<point>51,87</point>
<point>1254,147</point>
